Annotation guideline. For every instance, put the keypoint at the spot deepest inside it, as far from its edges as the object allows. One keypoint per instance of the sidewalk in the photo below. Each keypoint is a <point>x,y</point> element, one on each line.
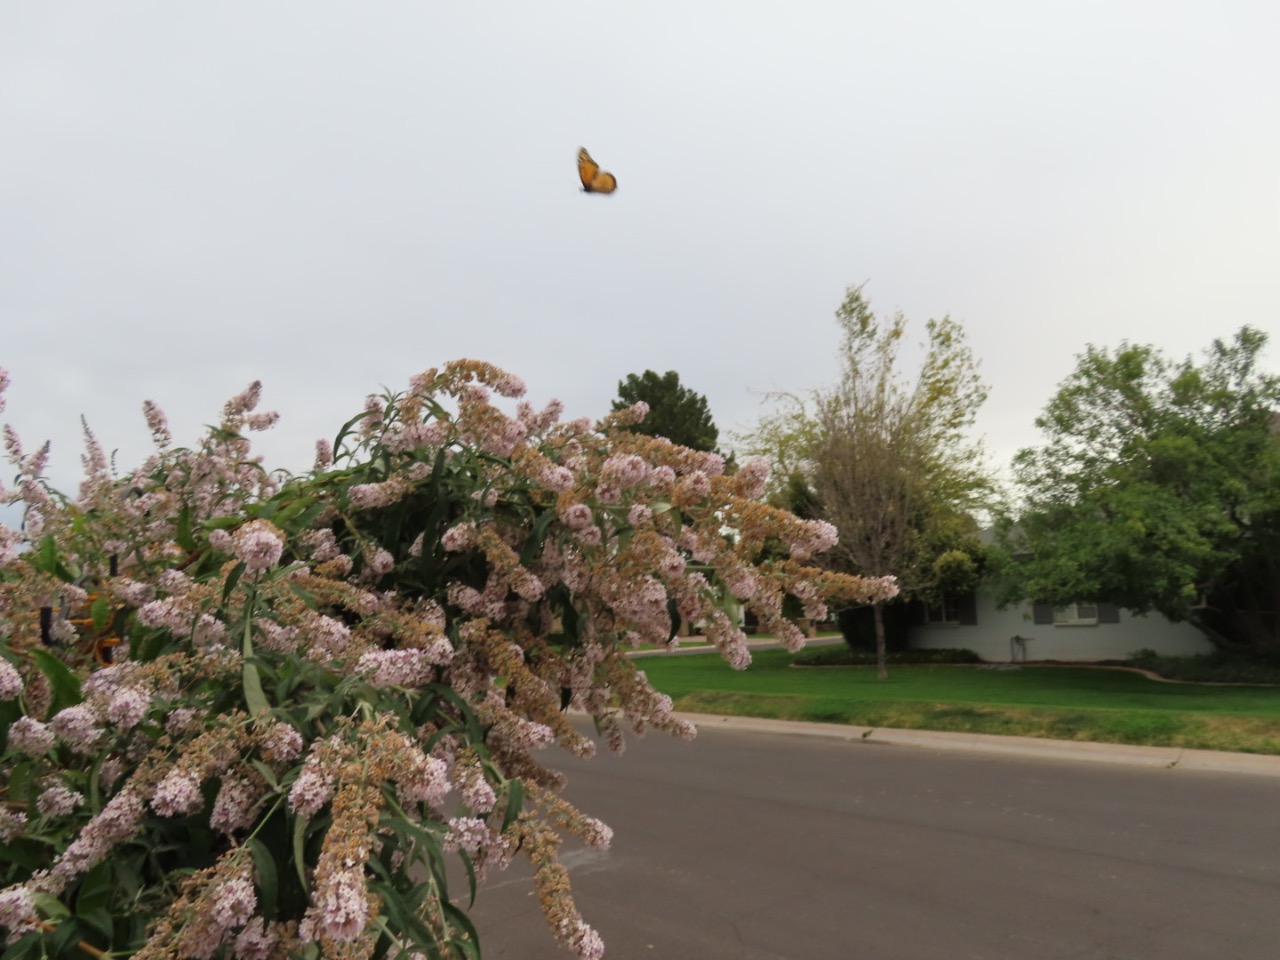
<point>1172,758</point>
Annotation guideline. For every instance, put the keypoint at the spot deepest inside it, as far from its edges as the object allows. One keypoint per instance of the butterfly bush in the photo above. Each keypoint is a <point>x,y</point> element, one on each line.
<point>253,715</point>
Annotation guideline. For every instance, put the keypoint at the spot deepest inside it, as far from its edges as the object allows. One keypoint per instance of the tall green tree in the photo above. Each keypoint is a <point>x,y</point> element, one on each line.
<point>675,411</point>
<point>1158,488</point>
<point>885,455</point>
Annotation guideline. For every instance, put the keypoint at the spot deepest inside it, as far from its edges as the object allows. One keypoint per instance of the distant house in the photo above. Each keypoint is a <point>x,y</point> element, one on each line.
<point>1025,631</point>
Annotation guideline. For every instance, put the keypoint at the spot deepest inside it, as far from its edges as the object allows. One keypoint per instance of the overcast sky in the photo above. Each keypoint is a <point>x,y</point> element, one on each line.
<point>332,196</point>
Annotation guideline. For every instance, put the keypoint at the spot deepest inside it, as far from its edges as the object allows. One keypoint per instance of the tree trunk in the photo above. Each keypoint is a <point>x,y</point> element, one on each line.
<point>882,671</point>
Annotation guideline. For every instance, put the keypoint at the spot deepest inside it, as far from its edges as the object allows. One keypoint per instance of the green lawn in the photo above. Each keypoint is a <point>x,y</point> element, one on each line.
<point>1067,703</point>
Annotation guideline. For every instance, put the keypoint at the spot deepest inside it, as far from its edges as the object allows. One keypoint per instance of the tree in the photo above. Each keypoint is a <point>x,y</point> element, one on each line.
<point>886,458</point>
<point>675,411</point>
<point>1158,488</point>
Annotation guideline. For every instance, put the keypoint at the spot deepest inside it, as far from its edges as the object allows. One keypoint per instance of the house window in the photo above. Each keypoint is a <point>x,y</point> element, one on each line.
<point>943,613</point>
<point>1075,614</point>
<point>954,610</point>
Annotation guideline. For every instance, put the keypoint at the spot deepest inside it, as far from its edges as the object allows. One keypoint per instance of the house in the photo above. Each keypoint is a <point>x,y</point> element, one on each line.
<point>1026,631</point>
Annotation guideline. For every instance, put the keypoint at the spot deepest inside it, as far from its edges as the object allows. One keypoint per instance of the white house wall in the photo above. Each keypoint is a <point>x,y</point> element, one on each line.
<point>990,638</point>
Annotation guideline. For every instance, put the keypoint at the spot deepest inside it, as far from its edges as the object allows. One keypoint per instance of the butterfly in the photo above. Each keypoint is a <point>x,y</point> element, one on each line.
<point>594,180</point>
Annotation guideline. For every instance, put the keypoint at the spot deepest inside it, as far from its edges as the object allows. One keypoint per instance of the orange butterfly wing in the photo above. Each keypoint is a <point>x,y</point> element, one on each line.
<point>594,180</point>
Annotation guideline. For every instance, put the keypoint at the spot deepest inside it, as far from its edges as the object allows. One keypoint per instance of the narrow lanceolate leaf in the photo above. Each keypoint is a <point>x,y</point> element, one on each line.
<point>268,884</point>
<point>254,697</point>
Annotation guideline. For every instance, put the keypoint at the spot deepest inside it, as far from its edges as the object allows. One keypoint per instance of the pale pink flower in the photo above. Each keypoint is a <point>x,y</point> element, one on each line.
<point>244,401</point>
<point>233,806</point>
<point>312,790</point>
<point>234,903</point>
<point>396,668</point>
<point>476,792</point>
<point>256,941</point>
<point>577,516</point>
<point>12,823</point>
<point>262,421</point>
<point>115,822</point>
<point>509,385</point>
<point>421,779</point>
<point>340,910</point>
<point>585,942</point>
<point>468,834</point>
<point>77,727</point>
<point>459,537</point>
<point>324,455</point>
<point>639,514</point>
<point>17,909</point>
<point>379,562</point>
<point>10,680</point>
<point>752,477</point>
<point>127,707</point>
<point>259,545</point>
<point>58,801</point>
<point>29,736</point>
<point>183,720</point>
<point>281,743</point>
<point>556,477</point>
<point>178,793</point>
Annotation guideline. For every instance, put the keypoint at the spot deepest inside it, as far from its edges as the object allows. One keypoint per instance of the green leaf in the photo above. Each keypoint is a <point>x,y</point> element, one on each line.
<point>232,579</point>
<point>268,881</point>
<point>515,802</point>
<point>183,535</point>
<point>50,907</point>
<point>254,697</point>
<point>63,683</point>
<point>300,848</point>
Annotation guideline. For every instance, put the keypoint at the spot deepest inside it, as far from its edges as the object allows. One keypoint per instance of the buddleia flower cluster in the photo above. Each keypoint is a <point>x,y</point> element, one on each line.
<point>253,715</point>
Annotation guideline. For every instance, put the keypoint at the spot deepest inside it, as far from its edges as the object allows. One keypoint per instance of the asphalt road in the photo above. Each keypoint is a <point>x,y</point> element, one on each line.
<point>758,846</point>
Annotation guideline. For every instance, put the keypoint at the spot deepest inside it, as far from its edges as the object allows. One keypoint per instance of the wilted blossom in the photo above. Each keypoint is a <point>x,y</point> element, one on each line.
<point>10,680</point>
<point>58,801</point>
<point>29,736</point>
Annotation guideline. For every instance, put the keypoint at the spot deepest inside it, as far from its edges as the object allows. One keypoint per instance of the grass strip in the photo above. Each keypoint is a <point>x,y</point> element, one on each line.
<point>1064,703</point>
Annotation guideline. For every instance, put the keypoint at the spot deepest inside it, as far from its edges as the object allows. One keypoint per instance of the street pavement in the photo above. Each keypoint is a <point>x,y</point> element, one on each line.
<point>764,840</point>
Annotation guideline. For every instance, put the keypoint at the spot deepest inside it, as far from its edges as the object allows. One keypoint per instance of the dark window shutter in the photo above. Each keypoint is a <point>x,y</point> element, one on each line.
<point>1108,613</point>
<point>1042,613</point>
<point>967,609</point>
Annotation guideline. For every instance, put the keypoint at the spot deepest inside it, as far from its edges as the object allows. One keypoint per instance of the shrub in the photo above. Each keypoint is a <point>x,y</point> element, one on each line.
<point>857,626</point>
<point>842,656</point>
<point>257,711</point>
<point>1219,666</point>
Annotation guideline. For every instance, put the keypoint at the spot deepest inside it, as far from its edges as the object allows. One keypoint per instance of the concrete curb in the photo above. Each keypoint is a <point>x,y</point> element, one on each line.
<point>1172,758</point>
